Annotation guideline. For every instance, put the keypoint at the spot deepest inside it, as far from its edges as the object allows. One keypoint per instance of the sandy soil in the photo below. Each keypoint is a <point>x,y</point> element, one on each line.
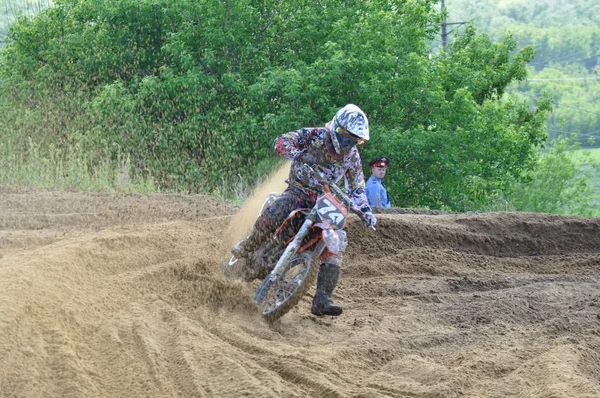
<point>122,296</point>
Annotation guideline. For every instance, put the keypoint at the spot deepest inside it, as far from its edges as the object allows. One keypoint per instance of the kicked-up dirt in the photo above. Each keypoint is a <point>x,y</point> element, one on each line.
<point>105,295</point>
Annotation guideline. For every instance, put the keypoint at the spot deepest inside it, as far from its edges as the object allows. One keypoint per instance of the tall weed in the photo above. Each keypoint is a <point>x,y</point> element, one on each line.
<point>52,168</point>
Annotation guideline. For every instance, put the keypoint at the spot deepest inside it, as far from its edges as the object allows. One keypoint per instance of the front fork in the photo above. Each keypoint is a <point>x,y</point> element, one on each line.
<point>292,248</point>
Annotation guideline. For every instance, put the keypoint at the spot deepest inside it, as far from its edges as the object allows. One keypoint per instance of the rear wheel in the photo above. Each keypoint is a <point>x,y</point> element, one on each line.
<point>277,297</point>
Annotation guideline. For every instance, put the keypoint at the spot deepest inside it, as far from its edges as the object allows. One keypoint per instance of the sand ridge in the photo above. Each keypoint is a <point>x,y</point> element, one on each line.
<point>105,295</point>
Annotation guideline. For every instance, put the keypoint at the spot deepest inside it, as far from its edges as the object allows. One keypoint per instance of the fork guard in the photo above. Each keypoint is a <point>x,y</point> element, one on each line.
<point>333,240</point>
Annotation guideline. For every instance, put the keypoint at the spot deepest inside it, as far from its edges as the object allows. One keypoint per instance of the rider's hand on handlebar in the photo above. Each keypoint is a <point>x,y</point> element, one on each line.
<point>370,219</point>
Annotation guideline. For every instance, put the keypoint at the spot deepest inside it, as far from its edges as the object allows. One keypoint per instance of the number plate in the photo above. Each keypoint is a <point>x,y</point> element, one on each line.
<point>331,211</point>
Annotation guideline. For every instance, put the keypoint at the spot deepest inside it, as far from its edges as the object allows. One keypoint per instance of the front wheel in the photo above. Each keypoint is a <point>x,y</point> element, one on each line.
<point>276,297</point>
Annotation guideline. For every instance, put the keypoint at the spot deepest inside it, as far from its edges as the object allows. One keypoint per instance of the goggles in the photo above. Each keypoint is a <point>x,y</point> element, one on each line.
<point>347,139</point>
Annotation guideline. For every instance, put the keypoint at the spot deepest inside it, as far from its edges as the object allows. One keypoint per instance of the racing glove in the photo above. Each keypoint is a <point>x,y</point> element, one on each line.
<point>370,217</point>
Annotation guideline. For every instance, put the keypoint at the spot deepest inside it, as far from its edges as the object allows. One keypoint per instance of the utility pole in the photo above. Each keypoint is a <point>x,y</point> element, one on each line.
<point>444,24</point>
<point>444,34</point>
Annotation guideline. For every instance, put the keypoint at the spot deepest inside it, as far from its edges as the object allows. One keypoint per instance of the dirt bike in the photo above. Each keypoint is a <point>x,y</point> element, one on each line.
<point>287,261</point>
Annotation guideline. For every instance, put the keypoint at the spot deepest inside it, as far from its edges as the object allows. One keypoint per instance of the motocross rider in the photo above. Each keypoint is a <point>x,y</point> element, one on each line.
<point>332,147</point>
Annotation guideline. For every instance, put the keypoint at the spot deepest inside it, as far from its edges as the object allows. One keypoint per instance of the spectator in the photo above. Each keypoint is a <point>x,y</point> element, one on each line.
<point>376,192</point>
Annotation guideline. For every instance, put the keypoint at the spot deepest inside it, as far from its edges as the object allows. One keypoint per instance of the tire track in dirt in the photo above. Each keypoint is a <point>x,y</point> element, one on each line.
<point>122,295</point>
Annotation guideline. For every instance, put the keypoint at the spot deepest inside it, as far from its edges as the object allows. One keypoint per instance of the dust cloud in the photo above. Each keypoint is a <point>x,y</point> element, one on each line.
<point>242,222</point>
<point>123,296</point>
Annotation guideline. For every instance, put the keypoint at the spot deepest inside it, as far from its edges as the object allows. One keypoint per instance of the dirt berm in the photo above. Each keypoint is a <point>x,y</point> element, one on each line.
<point>122,296</point>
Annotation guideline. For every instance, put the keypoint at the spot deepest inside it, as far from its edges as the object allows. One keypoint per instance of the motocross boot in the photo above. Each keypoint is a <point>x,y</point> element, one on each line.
<point>326,283</point>
<point>246,247</point>
<point>251,250</point>
<point>239,250</point>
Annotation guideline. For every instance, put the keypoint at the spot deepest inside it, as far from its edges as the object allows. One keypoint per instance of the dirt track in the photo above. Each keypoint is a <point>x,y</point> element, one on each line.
<point>121,296</point>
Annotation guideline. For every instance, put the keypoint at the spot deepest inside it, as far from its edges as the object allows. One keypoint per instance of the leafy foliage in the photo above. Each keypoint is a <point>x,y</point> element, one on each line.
<point>10,9</point>
<point>566,38</point>
<point>560,184</point>
<point>194,92</point>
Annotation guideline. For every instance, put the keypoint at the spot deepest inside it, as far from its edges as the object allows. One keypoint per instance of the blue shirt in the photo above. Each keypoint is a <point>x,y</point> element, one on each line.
<point>376,193</point>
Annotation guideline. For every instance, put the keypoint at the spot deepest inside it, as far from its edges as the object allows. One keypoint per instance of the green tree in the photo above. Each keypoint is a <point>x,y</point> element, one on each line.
<point>559,184</point>
<point>194,92</point>
<point>566,37</point>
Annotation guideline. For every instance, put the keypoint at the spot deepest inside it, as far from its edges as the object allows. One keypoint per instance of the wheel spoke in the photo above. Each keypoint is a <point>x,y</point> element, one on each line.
<point>285,287</point>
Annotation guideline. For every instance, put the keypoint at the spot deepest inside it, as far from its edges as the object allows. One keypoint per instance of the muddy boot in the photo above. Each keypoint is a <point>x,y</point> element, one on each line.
<point>246,247</point>
<point>251,251</point>
<point>326,282</point>
<point>259,236</point>
<point>239,250</point>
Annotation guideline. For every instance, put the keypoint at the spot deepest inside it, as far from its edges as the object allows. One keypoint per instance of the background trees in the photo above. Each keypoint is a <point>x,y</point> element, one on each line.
<point>194,92</point>
<point>566,38</point>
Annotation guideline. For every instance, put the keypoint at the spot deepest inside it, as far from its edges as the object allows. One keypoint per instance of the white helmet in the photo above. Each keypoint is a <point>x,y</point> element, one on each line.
<point>349,119</point>
<point>354,120</point>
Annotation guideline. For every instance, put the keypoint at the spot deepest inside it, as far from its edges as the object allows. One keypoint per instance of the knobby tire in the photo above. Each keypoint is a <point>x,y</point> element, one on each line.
<point>297,295</point>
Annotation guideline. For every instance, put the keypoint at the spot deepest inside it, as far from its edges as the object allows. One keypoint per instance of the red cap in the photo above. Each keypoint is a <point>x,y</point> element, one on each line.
<point>381,161</point>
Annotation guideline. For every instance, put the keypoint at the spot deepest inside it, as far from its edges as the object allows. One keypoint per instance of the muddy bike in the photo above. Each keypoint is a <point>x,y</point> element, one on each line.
<point>289,262</point>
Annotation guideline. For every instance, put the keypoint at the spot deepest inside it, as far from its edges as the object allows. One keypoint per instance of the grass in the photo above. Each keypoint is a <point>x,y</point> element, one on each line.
<point>72,171</point>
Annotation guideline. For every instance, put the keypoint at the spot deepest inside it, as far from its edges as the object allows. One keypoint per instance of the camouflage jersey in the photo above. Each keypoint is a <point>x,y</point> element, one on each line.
<point>316,141</point>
